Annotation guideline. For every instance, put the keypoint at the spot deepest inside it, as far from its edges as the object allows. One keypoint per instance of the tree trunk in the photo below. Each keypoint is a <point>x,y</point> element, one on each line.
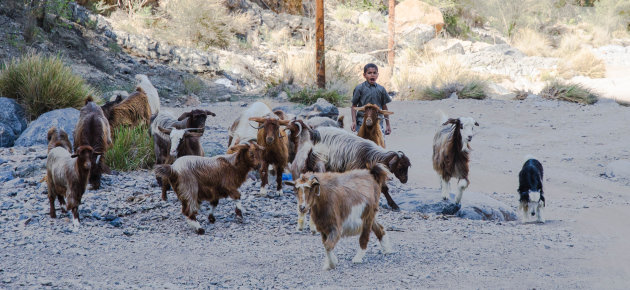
<point>392,34</point>
<point>320,63</point>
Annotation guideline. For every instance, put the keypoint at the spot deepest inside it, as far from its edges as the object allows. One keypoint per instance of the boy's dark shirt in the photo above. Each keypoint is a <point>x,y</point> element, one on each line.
<point>365,93</point>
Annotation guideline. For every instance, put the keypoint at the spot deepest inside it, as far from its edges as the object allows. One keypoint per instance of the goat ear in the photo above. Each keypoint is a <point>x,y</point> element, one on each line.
<point>75,155</point>
<point>183,116</point>
<point>284,122</point>
<point>165,131</point>
<point>451,121</point>
<point>257,119</point>
<point>392,162</point>
<point>387,113</point>
<point>360,109</point>
<point>289,183</point>
<point>208,113</point>
<point>476,124</point>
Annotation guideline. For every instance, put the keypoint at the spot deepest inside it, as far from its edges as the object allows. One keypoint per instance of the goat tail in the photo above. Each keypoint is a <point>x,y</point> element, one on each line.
<point>165,171</point>
<point>89,99</point>
<point>340,121</point>
<point>443,116</point>
<point>379,172</point>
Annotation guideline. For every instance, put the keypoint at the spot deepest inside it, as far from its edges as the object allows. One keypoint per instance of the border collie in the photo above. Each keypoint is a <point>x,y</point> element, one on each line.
<point>530,189</point>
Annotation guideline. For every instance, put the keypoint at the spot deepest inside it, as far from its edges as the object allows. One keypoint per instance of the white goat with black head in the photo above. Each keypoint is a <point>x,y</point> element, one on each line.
<point>451,147</point>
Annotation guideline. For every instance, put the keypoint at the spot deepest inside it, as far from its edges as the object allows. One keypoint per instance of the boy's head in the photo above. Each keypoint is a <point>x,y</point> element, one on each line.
<point>370,73</point>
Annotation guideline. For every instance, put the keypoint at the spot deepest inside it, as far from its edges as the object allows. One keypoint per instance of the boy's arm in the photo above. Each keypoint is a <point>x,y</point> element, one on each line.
<point>353,112</point>
<point>388,129</point>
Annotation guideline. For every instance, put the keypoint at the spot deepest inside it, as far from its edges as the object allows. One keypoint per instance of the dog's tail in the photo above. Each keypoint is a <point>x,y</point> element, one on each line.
<point>528,157</point>
<point>443,116</point>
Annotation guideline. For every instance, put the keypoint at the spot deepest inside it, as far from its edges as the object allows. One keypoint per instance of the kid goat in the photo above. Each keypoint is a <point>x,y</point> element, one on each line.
<point>451,146</point>
<point>370,129</point>
<point>195,179</point>
<point>338,210</point>
<point>67,178</point>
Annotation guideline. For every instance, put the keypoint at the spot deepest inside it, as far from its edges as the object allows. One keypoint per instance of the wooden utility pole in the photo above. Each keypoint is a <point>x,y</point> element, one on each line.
<point>320,63</point>
<point>392,34</point>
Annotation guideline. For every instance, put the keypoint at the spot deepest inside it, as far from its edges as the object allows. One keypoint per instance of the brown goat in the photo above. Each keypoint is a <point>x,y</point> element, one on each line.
<point>344,204</point>
<point>195,179</point>
<point>276,152</point>
<point>58,138</point>
<point>370,128</point>
<point>132,111</point>
<point>67,178</point>
<point>93,129</point>
<point>450,153</point>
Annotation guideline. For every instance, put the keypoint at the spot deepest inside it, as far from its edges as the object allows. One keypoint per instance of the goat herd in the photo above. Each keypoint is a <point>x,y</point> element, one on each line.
<point>337,175</point>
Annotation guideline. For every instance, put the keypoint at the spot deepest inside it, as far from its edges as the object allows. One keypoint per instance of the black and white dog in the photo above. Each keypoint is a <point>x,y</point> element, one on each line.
<point>530,189</point>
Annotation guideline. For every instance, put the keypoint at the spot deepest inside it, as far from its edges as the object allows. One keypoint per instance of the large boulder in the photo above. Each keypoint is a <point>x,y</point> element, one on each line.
<point>12,121</point>
<point>36,132</point>
<point>412,12</point>
<point>417,35</point>
<point>321,108</point>
<point>474,206</point>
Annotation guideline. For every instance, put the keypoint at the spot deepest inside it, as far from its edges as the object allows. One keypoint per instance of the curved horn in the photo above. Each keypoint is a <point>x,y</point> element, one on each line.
<point>257,128</point>
<point>300,128</point>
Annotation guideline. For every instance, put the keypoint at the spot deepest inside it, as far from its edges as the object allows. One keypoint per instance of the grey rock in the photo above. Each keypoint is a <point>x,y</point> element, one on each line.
<point>65,119</point>
<point>457,48</point>
<point>474,206</point>
<point>6,176</point>
<point>321,108</point>
<point>12,121</point>
<point>3,161</point>
<point>28,169</point>
<point>283,96</point>
<point>117,222</point>
<point>213,148</point>
<point>417,35</point>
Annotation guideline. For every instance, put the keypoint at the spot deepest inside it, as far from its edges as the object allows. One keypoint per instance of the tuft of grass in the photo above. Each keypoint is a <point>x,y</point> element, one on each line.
<point>132,149</point>
<point>42,83</point>
<point>582,63</point>
<point>531,42</point>
<point>309,96</point>
<point>193,85</point>
<point>438,77</point>
<point>575,93</point>
<point>473,89</point>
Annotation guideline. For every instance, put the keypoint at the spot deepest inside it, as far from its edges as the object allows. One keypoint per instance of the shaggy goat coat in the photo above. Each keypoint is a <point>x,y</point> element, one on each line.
<point>93,129</point>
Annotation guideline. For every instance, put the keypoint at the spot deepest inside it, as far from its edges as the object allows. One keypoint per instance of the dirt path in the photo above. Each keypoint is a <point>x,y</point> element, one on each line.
<point>583,244</point>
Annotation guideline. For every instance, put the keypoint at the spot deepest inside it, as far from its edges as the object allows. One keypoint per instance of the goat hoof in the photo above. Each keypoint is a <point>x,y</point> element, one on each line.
<point>212,219</point>
<point>53,215</point>
<point>200,231</point>
<point>394,207</point>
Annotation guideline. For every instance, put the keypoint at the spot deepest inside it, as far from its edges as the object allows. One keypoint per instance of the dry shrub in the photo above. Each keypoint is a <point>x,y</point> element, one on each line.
<point>575,93</point>
<point>437,78</point>
<point>531,42</point>
<point>582,63</point>
<point>42,83</point>
<point>298,67</point>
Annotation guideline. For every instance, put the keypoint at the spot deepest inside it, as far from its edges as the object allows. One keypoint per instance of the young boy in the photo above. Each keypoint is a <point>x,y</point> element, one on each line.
<point>369,92</point>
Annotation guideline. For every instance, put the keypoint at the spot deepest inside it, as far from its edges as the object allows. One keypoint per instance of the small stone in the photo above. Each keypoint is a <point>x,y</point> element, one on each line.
<point>117,222</point>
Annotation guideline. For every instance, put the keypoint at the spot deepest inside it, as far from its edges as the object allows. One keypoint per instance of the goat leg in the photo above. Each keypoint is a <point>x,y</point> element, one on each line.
<point>390,201</point>
<point>51,200</point>
<point>213,206</point>
<point>264,178</point>
<point>165,187</point>
<point>279,171</point>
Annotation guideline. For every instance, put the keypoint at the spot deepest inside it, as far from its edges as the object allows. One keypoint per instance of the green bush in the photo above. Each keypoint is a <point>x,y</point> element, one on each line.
<point>474,89</point>
<point>132,150</point>
<point>309,96</point>
<point>42,84</point>
<point>557,90</point>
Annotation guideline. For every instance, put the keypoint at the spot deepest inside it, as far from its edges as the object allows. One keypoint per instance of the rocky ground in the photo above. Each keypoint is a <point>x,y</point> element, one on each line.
<point>131,238</point>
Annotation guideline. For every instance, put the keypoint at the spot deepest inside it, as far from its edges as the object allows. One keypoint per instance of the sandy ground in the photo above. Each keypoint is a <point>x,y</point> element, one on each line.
<point>583,244</point>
